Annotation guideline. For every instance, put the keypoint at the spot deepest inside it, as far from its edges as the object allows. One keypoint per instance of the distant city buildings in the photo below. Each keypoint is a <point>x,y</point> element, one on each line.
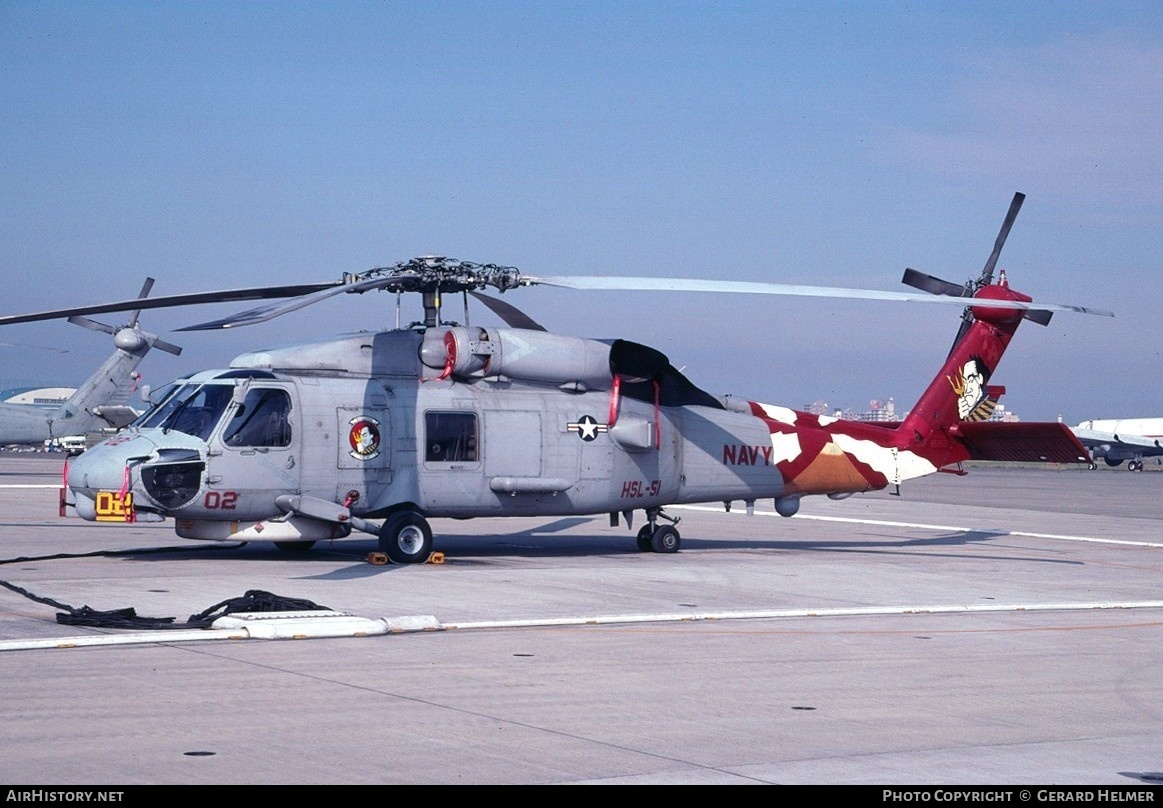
<point>885,412</point>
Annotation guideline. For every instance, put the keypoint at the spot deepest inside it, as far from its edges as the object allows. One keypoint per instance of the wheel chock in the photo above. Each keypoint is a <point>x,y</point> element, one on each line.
<point>379,559</point>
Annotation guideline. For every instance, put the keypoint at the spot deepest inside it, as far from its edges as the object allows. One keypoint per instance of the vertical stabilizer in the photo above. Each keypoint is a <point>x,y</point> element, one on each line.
<point>102,400</point>
<point>950,422</point>
<point>960,392</point>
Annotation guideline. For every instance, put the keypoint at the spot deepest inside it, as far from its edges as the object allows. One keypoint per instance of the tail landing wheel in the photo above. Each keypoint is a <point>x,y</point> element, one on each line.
<point>644,539</point>
<point>665,540</point>
<point>653,538</point>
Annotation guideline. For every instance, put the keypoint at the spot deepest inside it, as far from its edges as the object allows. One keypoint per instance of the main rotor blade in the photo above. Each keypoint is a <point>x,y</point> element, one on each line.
<point>991,262</point>
<point>34,347</point>
<point>513,316</point>
<point>753,288</point>
<point>170,301</point>
<point>261,314</point>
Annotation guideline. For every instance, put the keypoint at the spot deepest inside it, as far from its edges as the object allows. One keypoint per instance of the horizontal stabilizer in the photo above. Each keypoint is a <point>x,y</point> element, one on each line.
<point>1020,443</point>
<point>116,415</point>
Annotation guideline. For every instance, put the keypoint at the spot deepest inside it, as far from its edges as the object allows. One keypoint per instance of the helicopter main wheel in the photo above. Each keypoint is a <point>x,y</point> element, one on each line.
<point>406,538</point>
<point>644,539</point>
<point>665,540</point>
<point>295,546</point>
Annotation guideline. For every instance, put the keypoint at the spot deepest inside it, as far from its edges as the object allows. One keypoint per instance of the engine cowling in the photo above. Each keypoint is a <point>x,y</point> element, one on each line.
<point>533,356</point>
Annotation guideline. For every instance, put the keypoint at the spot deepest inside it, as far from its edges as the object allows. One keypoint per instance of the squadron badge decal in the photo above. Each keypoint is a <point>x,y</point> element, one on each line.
<point>364,438</point>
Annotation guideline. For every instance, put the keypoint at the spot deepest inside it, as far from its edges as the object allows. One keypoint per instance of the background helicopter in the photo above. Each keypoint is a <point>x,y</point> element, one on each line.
<point>100,402</point>
<point>440,419</point>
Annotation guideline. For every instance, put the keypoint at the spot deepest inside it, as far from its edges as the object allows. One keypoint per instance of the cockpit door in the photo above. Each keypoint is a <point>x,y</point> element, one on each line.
<point>254,453</point>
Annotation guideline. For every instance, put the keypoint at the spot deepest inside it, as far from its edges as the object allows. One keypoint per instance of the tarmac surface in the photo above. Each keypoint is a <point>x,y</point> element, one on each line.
<point>1001,628</point>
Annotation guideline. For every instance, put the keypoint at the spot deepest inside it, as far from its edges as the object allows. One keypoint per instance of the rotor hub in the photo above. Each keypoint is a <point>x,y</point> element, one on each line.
<point>129,339</point>
<point>995,314</point>
<point>433,275</point>
<point>436,273</point>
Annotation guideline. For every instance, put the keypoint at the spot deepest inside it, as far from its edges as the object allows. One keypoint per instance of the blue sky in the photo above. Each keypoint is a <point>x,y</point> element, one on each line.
<point>221,145</point>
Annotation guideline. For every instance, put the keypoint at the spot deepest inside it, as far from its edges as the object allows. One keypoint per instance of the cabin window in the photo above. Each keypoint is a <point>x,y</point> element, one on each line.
<point>263,419</point>
<point>450,437</point>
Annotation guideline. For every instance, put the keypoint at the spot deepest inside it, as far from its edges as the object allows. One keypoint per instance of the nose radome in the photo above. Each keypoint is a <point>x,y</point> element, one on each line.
<point>162,469</point>
<point>102,468</point>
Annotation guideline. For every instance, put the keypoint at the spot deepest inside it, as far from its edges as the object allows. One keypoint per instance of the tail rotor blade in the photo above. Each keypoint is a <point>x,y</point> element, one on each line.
<point>966,321</point>
<point>1015,206</point>
<point>168,347</point>
<point>145,289</point>
<point>1039,316</point>
<point>92,325</point>
<point>932,285</point>
<point>152,339</point>
<point>131,331</point>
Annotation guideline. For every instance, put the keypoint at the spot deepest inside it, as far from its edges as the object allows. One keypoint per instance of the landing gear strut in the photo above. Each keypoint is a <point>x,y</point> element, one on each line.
<point>653,538</point>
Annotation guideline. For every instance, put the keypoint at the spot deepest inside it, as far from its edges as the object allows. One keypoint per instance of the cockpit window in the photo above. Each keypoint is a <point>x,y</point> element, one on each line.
<point>158,399</point>
<point>193,409</point>
<point>263,419</point>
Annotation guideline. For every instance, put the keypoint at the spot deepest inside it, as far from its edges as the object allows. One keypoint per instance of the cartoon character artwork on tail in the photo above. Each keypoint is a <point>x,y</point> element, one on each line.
<point>973,400</point>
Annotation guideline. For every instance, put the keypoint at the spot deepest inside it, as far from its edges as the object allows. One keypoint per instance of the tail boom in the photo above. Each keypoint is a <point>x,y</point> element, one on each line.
<point>948,425</point>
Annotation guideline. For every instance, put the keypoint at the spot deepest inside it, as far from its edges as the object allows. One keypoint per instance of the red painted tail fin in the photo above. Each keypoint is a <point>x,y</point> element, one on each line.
<point>950,423</point>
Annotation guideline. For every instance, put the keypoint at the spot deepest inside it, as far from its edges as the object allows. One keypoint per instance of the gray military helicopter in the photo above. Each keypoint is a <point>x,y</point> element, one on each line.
<point>382,432</point>
<point>98,404</point>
